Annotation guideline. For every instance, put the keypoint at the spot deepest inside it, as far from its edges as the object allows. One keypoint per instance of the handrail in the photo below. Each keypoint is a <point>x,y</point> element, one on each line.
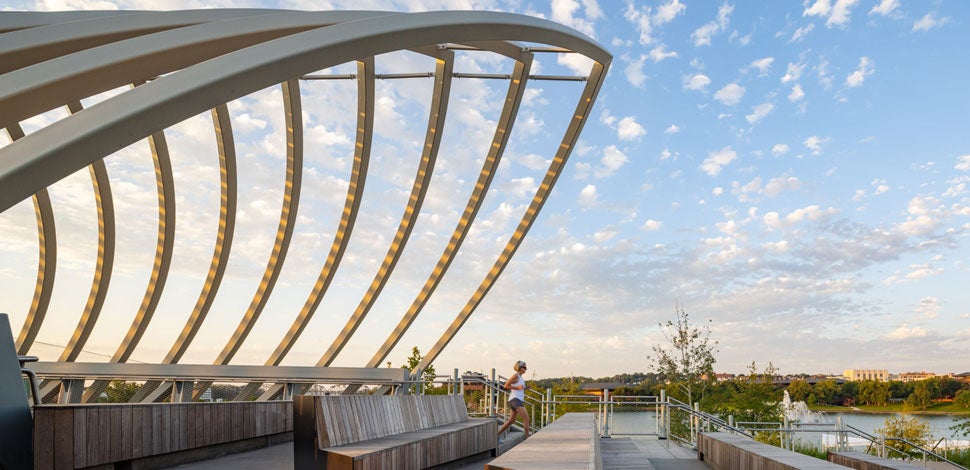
<point>34,383</point>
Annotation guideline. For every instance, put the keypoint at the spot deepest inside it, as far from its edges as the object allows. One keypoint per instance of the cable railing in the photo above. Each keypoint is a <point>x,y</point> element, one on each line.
<point>690,419</point>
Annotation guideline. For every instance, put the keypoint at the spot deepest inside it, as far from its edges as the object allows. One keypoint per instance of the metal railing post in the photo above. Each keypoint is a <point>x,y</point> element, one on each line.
<point>491,395</point>
<point>605,432</point>
<point>454,383</point>
<point>695,423</point>
<point>662,415</point>
<point>549,415</point>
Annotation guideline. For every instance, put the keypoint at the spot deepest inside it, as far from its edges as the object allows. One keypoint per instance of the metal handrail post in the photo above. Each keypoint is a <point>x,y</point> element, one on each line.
<point>549,404</point>
<point>491,396</point>
<point>606,413</point>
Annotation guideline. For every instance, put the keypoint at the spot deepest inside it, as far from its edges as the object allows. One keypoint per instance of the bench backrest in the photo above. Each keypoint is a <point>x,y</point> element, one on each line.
<point>353,418</point>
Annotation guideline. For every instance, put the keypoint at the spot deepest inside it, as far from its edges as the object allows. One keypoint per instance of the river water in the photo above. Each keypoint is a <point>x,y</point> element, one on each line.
<point>644,422</point>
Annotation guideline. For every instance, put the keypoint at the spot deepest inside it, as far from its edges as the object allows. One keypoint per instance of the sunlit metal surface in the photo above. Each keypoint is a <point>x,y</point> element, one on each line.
<point>192,62</point>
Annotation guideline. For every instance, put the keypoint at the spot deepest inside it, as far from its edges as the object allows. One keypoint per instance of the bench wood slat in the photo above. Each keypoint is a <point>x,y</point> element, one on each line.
<point>407,432</point>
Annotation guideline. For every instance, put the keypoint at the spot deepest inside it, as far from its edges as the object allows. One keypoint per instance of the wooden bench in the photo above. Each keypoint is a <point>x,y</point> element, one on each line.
<point>863,461</point>
<point>721,450</point>
<point>570,442</point>
<point>392,432</point>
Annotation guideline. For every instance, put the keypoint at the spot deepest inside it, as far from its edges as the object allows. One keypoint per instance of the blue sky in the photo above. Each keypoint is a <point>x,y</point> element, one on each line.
<point>794,172</point>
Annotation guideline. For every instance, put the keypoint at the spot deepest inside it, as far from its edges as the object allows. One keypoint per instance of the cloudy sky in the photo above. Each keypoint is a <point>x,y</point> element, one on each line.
<point>794,172</point>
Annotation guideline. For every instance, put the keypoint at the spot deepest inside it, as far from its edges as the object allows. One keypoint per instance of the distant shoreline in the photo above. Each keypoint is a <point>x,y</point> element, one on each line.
<point>874,412</point>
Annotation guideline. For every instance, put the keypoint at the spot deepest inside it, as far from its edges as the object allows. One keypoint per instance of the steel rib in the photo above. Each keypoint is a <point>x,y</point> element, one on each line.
<point>510,110</point>
<point>222,126</point>
<point>174,99</point>
<point>104,264</point>
<point>562,154</point>
<point>46,261</point>
<point>36,88</point>
<point>39,42</point>
<point>165,184</point>
<point>355,191</point>
<point>26,165</point>
<point>429,154</point>
<point>284,232</point>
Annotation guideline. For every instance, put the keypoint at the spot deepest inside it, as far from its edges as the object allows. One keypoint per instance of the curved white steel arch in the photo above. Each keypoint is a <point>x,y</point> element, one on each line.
<point>285,47</point>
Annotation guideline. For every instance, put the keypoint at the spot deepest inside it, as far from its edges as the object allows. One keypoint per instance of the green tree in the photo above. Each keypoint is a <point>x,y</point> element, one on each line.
<point>824,391</point>
<point>962,398</point>
<point>427,376</point>
<point>688,363</point>
<point>921,398</point>
<point>900,390</point>
<point>875,393</point>
<point>961,426</point>
<point>910,428</point>
<point>119,391</point>
<point>849,392</point>
<point>799,390</point>
<point>946,387</point>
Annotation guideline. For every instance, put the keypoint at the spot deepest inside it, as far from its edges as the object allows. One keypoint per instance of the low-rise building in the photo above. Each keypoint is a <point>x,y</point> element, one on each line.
<point>879,375</point>
<point>915,376</point>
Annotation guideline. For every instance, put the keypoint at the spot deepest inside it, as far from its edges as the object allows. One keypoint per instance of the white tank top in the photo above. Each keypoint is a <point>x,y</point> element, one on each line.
<point>520,394</point>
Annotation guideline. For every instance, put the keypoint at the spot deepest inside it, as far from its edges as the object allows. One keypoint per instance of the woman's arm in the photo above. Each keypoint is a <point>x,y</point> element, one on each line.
<point>513,379</point>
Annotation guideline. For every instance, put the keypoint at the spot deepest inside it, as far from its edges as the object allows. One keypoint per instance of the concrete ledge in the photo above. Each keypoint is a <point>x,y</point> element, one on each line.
<point>721,450</point>
<point>863,461</point>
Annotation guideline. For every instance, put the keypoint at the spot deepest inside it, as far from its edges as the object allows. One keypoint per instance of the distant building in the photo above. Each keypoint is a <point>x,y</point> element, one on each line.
<point>915,376</point>
<point>723,377</point>
<point>596,388</point>
<point>879,375</point>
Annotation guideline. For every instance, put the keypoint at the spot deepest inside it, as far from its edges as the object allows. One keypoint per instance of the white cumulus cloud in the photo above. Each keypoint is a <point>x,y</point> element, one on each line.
<point>762,64</point>
<point>836,15</point>
<point>865,68</point>
<point>779,149</point>
<point>613,159</point>
<point>814,143</point>
<point>929,21</point>
<point>588,196</point>
<point>759,112</point>
<point>697,82</point>
<point>796,93</point>
<point>718,159</point>
<point>634,71</point>
<point>905,332</point>
<point>702,35</point>
<point>629,129</point>
<point>793,73</point>
<point>963,163</point>
<point>885,7</point>
<point>800,33</point>
<point>652,225</point>
<point>660,53</point>
<point>673,129</point>
<point>730,95</point>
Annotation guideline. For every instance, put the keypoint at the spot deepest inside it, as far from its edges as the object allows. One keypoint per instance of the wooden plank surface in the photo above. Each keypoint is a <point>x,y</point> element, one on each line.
<point>75,436</point>
<point>570,442</point>
<point>863,461</point>
<point>398,431</point>
<point>728,451</point>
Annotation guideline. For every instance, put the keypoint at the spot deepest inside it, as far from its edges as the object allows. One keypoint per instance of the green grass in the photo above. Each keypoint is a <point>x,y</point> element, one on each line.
<point>938,407</point>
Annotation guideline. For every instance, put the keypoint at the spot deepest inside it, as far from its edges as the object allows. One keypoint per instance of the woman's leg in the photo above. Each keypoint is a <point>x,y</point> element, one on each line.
<point>509,422</point>
<point>524,414</point>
